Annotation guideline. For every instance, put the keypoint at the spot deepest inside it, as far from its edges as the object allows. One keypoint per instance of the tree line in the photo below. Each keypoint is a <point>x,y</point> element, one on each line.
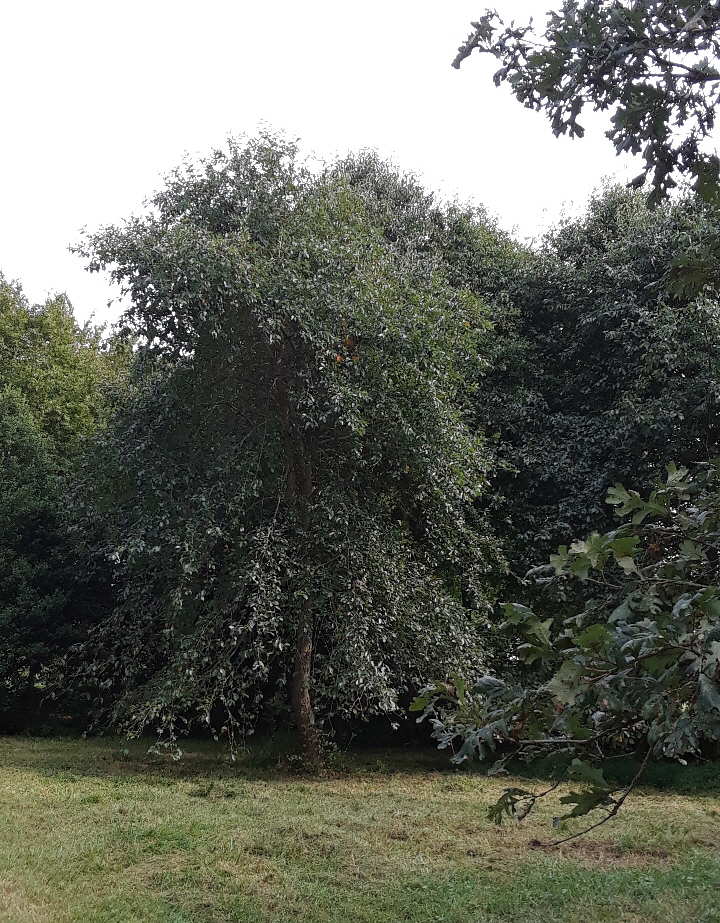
<point>337,425</point>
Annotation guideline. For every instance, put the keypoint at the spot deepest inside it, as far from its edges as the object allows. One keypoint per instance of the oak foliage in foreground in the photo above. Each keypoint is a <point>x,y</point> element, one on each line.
<point>625,655</point>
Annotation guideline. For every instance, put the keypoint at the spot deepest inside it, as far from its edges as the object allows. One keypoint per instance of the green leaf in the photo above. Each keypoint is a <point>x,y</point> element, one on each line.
<point>487,685</point>
<point>585,802</point>
<point>516,613</point>
<point>580,566</point>
<point>467,751</point>
<point>597,794</point>
<point>618,496</point>
<point>567,684</point>
<point>627,564</point>
<point>676,476</point>
<point>559,561</point>
<point>623,612</point>
<point>708,694</point>
<point>710,602</point>
<point>623,547</point>
<point>712,635</point>
<point>592,549</point>
<point>541,630</point>
<point>506,805</point>
<point>421,702</point>
<point>692,550</point>
<point>707,177</point>
<point>459,684</point>
<point>582,771</point>
<point>651,709</point>
<point>595,636</point>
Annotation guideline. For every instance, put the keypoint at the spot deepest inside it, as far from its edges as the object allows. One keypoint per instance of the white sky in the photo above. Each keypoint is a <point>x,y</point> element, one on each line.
<point>99,100</point>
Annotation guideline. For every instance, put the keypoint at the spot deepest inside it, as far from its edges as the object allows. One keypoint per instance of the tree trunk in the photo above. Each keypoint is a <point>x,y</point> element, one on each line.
<point>301,703</point>
<point>298,490</point>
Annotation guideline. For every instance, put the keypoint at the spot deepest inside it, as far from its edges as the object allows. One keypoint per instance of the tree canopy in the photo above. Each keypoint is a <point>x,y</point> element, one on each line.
<point>57,365</point>
<point>652,64</point>
<point>52,375</point>
<point>287,491</point>
<point>601,372</point>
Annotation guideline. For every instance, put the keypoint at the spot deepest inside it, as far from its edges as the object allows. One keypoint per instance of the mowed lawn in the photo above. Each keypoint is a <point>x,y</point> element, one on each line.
<point>96,831</point>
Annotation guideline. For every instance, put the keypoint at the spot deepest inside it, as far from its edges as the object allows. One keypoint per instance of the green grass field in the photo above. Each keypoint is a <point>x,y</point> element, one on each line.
<point>99,832</point>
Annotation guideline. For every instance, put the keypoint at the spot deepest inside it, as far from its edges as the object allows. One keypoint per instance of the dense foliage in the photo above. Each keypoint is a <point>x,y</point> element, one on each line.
<point>51,372</point>
<point>601,373</point>
<point>288,489</point>
<point>339,418</point>
<point>57,366</point>
<point>653,65</point>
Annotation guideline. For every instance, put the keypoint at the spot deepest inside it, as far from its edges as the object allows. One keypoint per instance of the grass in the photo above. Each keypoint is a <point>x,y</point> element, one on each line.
<point>99,832</point>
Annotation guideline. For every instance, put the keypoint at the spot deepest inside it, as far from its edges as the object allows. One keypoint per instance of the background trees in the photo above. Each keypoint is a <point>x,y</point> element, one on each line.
<point>602,373</point>
<point>51,377</point>
<point>288,488</point>
<point>342,418</point>
<point>56,365</point>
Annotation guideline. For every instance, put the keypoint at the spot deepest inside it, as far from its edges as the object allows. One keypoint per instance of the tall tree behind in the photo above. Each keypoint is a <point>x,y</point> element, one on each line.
<point>605,374</point>
<point>58,366</point>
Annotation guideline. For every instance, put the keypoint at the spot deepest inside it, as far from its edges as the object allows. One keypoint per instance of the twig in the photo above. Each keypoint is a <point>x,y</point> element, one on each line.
<point>616,807</point>
<point>531,799</point>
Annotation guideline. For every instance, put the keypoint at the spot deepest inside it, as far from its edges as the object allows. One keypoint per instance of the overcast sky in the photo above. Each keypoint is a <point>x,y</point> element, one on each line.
<point>100,100</point>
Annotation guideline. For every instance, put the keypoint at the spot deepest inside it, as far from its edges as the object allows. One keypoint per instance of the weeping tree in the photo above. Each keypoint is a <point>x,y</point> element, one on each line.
<point>286,492</point>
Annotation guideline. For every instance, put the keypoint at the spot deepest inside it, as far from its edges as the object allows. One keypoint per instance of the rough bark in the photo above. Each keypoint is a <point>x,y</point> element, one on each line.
<point>301,702</point>
<point>298,490</point>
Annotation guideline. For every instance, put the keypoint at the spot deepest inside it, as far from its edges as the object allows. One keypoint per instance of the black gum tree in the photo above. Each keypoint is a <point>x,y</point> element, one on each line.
<point>287,492</point>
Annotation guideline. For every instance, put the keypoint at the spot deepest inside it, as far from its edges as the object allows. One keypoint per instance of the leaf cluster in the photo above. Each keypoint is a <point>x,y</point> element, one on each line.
<point>652,65</point>
<point>626,651</point>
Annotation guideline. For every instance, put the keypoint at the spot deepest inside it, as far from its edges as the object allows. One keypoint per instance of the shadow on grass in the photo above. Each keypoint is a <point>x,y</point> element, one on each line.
<point>697,778</point>
<point>272,757</point>
<point>277,756</point>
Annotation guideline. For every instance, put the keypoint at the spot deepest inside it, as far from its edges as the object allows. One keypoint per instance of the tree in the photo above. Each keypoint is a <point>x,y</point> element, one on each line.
<point>58,366</point>
<point>602,374</point>
<point>288,489</point>
<point>30,597</point>
<point>653,65</point>
<point>625,651</point>
<point>51,377</point>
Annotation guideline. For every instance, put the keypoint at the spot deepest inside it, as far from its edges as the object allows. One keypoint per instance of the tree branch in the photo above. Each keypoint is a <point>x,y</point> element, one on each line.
<point>616,807</point>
